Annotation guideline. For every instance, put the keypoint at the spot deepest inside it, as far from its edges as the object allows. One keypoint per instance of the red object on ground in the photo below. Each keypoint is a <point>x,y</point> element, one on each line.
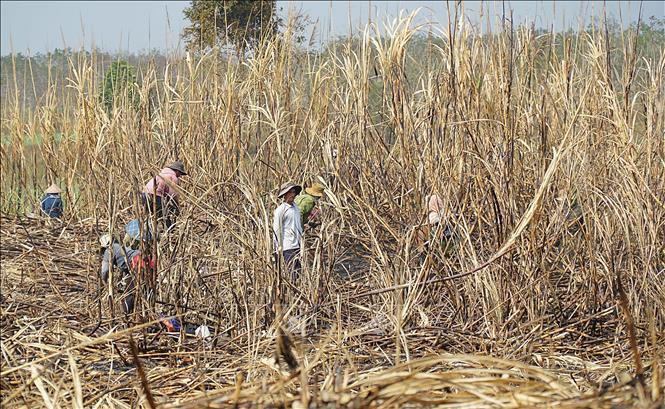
<point>167,323</point>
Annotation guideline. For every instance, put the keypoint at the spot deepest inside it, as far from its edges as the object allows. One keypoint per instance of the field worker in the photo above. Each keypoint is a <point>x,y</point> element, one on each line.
<point>287,229</point>
<point>161,194</point>
<point>435,209</point>
<point>133,237</point>
<point>128,262</point>
<point>307,202</point>
<point>437,223</point>
<point>52,202</point>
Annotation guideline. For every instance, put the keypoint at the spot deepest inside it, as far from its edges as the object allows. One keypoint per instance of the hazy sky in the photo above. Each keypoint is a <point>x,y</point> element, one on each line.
<point>137,25</point>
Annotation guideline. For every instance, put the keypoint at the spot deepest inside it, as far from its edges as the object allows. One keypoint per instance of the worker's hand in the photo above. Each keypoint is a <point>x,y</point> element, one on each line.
<point>312,224</point>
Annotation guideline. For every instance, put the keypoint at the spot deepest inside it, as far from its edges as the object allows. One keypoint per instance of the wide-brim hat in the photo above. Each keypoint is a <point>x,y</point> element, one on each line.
<point>315,190</point>
<point>288,186</point>
<point>105,240</point>
<point>53,189</point>
<point>179,166</point>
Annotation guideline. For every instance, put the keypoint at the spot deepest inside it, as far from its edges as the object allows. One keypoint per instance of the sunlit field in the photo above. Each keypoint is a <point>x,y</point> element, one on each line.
<point>547,151</point>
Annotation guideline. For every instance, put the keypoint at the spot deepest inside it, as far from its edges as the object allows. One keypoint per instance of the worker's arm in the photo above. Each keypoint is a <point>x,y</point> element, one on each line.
<point>313,218</point>
<point>277,228</point>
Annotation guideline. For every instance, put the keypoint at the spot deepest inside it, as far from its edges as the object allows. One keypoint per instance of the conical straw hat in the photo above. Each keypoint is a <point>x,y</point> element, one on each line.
<point>53,189</point>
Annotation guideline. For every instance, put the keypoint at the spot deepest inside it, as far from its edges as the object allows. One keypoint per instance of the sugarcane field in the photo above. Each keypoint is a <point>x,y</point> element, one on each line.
<point>461,212</point>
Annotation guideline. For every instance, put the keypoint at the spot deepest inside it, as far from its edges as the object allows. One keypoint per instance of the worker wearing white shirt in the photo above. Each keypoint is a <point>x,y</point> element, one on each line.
<point>287,229</point>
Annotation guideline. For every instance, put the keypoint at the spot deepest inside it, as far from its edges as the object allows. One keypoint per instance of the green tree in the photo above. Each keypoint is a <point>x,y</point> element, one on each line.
<point>651,39</point>
<point>242,23</point>
<point>118,85</point>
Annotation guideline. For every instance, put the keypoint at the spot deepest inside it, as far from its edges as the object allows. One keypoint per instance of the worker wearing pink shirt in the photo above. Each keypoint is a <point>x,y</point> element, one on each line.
<point>163,199</point>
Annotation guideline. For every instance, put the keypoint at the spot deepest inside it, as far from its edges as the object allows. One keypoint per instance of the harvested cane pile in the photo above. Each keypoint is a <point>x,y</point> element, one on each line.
<point>551,178</point>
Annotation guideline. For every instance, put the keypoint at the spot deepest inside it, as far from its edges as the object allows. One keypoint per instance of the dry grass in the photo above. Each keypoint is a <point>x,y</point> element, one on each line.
<point>528,310</point>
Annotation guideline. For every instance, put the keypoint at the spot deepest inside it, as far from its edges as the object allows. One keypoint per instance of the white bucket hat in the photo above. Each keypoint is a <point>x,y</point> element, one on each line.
<point>105,240</point>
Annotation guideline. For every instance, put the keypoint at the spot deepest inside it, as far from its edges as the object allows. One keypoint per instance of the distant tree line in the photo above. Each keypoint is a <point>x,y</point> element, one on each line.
<point>31,75</point>
<point>25,78</point>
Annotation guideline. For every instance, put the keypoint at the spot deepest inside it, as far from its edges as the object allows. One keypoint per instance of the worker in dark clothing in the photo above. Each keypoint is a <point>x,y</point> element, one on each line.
<point>51,203</point>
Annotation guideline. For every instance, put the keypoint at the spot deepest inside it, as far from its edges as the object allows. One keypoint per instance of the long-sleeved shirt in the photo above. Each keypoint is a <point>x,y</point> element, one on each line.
<point>305,203</point>
<point>117,259</point>
<point>287,228</point>
<point>166,176</point>
<point>52,205</point>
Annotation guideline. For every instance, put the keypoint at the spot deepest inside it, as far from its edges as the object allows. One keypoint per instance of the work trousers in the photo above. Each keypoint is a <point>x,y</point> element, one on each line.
<point>166,209</point>
<point>292,261</point>
<point>127,288</point>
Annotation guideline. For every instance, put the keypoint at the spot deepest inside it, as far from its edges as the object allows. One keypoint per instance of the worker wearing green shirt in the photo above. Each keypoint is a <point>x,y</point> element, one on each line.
<point>306,202</point>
